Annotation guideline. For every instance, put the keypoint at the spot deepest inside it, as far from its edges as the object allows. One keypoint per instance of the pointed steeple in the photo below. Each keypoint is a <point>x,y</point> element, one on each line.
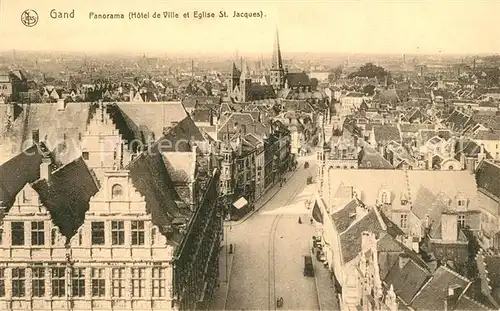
<point>277,62</point>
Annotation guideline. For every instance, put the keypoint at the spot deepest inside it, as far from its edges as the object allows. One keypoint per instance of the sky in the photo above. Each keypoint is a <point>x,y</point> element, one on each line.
<point>354,26</point>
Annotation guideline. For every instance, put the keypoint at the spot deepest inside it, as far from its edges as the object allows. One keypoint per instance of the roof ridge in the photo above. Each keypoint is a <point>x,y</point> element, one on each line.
<point>475,301</point>
<point>455,273</point>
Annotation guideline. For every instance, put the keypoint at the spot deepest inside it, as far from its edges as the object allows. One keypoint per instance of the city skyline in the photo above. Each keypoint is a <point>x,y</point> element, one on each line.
<point>359,27</point>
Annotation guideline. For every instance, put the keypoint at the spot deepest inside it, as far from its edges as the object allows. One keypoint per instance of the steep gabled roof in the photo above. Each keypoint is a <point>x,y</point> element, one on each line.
<point>150,177</point>
<point>67,195</point>
<point>350,239</point>
<point>488,179</point>
<point>433,294</point>
<point>407,280</point>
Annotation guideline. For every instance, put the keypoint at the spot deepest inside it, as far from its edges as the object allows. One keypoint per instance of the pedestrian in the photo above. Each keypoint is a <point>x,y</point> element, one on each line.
<point>311,221</point>
<point>300,220</point>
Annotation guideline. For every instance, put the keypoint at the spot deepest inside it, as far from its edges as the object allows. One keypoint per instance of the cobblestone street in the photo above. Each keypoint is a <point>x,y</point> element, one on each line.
<point>269,251</point>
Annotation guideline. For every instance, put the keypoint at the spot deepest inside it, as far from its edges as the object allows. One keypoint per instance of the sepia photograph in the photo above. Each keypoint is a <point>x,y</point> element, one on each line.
<point>249,155</point>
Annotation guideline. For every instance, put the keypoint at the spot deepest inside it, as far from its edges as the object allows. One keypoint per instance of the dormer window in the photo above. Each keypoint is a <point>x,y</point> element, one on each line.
<point>462,203</point>
<point>116,191</point>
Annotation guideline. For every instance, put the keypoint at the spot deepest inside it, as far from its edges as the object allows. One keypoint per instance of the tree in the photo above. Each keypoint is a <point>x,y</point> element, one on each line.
<point>369,70</point>
<point>369,90</point>
<point>335,74</point>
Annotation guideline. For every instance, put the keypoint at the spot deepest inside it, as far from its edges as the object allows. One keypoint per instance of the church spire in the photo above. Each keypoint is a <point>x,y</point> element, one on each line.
<point>277,63</point>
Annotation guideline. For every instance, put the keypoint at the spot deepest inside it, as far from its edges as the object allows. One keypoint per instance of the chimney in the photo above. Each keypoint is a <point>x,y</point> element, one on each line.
<point>61,104</point>
<point>166,129</point>
<point>449,227</point>
<point>46,168</point>
<point>403,259</point>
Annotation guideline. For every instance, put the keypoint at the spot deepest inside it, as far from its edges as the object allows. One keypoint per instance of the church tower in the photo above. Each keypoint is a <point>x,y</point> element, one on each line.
<point>245,82</point>
<point>277,72</point>
<point>234,80</point>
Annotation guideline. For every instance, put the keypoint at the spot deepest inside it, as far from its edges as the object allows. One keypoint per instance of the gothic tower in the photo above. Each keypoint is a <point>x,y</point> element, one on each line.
<point>245,82</point>
<point>234,80</point>
<point>277,71</point>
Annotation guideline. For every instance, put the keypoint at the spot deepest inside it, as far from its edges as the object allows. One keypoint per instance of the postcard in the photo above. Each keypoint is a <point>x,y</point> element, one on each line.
<point>249,155</point>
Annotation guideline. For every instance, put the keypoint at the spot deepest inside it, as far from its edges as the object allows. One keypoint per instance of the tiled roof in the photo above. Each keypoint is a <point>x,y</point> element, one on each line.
<point>389,96</point>
<point>491,121</point>
<point>259,92</point>
<point>297,79</point>
<point>493,267</point>
<point>457,120</point>
<point>150,177</point>
<point>465,303</point>
<point>53,125</point>
<point>202,115</point>
<point>408,280</point>
<point>201,102</point>
<point>388,244</point>
<point>434,293</point>
<point>152,117</point>
<point>67,195</point>
<point>488,135</point>
<point>413,128</point>
<point>369,182</point>
<point>181,166</point>
<point>350,239</point>
<point>346,216</point>
<point>488,178</point>
<point>370,158</point>
<point>15,173</point>
<point>386,133</point>
<point>183,136</point>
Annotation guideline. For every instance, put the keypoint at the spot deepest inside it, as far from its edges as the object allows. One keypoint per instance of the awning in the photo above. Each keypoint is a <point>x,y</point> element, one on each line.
<point>240,203</point>
<point>316,213</point>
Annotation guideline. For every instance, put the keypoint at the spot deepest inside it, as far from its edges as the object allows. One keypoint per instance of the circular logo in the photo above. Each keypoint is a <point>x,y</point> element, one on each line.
<point>29,18</point>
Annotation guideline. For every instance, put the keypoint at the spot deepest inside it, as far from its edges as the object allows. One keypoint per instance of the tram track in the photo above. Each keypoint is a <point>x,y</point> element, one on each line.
<point>271,251</point>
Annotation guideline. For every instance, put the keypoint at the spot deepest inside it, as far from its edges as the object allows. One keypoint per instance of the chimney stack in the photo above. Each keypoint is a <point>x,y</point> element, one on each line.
<point>449,227</point>
<point>46,168</point>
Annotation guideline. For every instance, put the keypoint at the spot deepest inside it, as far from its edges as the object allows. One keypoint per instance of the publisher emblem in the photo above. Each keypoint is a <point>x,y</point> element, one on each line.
<point>29,18</point>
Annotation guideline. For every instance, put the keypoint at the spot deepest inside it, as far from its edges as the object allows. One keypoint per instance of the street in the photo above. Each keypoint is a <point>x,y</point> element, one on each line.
<point>269,251</point>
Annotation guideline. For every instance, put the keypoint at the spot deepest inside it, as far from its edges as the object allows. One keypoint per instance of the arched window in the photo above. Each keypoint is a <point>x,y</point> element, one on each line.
<point>116,191</point>
<point>450,167</point>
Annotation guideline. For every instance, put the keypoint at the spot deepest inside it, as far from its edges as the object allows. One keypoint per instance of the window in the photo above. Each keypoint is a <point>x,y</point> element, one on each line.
<point>78,282</point>
<point>117,233</point>
<point>461,202</point>
<point>461,221</point>
<point>2,282</point>
<point>159,282</point>
<point>450,167</point>
<point>118,282</point>
<point>38,282</point>
<point>58,282</point>
<point>18,282</point>
<point>17,229</point>
<point>98,282</point>
<point>35,135</point>
<point>404,221</point>
<point>138,232</point>
<point>37,233</point>
<point>85,155</point>
<point>53,235</point>
<point>138,282</point>
<point>98,232</point>
<point>116,191</point>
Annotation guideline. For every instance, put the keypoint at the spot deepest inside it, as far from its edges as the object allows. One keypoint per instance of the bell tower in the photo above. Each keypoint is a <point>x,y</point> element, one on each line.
<point>277,72</point>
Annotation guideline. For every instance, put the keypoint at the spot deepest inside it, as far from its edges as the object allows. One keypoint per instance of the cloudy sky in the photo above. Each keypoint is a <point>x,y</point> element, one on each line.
<point>355,26</point>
